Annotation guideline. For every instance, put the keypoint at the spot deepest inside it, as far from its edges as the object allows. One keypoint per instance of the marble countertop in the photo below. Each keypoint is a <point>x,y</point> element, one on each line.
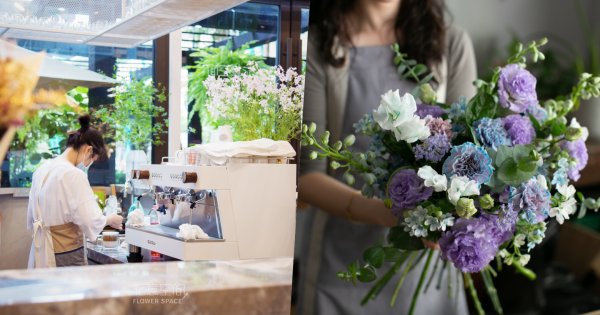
<point>209,283</point>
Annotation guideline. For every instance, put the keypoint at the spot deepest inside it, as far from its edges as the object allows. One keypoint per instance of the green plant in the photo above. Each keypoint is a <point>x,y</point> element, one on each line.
<point>130,116</point>
<point>213,62</point>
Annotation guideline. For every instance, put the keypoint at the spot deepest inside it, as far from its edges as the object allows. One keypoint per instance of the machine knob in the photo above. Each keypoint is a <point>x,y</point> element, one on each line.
<point>143,174</point>
<point>134,174</point>
<point>189,177</point>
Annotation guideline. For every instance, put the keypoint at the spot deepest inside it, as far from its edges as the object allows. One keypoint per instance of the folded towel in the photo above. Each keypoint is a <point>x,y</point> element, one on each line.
<point>219,152</point>
<point>191,232</point>
<point>135,218</point>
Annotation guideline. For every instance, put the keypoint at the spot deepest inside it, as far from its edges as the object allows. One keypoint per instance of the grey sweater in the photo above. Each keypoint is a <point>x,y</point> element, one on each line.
<point>330,243</point>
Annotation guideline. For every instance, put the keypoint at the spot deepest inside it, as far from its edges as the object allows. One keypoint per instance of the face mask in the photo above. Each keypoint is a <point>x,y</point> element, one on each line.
<point>82,167</point>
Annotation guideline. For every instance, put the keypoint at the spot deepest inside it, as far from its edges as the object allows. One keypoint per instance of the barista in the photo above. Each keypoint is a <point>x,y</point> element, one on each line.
<point>62,206</point>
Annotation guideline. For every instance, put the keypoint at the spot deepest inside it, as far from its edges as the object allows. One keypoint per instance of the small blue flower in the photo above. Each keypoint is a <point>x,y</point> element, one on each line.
<point>381,174</point>
<point>530,245</point>
<point>491,133</point>
<point>368,190</point>
<point>377,147</point>
<point>458,128</point>
<point>457,109</point>
<point>560,177</point>
<point>469,160</point>
<point>364,123</point>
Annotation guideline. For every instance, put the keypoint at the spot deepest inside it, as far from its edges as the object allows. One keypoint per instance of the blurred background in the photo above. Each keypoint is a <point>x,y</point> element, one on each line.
<point>568,261</point>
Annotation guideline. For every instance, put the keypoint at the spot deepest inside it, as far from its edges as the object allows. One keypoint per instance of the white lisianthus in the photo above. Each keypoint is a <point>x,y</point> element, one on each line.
<point>460,187</point>
<point>585,133</point>
<point>567,191</point>
<point>433,179</point>
<point>560,213</point>
<point>394,110</point>
<point>541,181</point>
<point>567,207</point>
<point>412,130</point>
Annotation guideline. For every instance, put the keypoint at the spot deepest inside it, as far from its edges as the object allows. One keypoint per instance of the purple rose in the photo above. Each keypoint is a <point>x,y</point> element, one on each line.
<point>578,150</point>
<point>519,129</point>
<point>516,88</point>
<point>531,198</point>
<point>469,160</point>
<point>423,110</point>
<point>472,243</point>
<point>406,188</point>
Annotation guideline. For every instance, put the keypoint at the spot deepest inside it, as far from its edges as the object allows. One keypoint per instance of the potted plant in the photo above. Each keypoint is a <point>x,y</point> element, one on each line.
<point>213,62</point>
<point>129,118</point>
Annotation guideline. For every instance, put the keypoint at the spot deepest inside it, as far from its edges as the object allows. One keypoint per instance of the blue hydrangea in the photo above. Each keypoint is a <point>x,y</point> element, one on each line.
<point>364,123</point>
<point>560,177</point>
<point>491,133</point>
<point>457,109</point>
<point>433,148</point>
<point>469,160</point>
<point>531,198</point>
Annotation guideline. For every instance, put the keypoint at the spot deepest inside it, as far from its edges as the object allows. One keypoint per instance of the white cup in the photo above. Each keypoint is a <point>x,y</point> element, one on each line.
<point>224,134</point>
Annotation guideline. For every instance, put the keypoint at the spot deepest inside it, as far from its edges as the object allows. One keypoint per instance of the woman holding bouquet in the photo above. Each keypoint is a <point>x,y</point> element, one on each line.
<point>350,65</point>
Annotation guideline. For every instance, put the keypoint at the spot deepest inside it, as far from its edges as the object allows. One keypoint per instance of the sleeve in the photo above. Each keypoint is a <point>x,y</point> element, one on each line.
<point>85,211</point>
<point>31,206</point>
<point>315,104</point>
<point>462,68</point>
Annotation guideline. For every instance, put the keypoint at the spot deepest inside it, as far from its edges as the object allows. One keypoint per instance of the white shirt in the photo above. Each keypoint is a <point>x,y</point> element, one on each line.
<point>67,197</point>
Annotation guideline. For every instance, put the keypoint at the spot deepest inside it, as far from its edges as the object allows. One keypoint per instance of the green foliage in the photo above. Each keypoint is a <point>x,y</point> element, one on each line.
<point>213,62</point>
<point>130,116</point>
<point>480,106</point>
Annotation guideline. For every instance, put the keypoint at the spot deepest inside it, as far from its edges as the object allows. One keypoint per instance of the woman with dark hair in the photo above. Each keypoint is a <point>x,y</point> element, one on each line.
<point>62,206</point>
<point>350,65</point>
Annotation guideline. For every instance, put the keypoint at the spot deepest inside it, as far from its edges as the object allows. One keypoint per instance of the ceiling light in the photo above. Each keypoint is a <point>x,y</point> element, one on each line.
<point>61,9</point>
<point>19,6</point>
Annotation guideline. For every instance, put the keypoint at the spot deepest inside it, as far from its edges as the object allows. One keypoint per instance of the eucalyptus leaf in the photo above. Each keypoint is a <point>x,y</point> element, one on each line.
<point>374,256</point>
<point>392,254</point>
<point>416,92</point>
<point>426,79</point>
<point>521,151</point>
<point>366,275</point>
<point>502,155</point>
<point>419,69</point>
<point>508,171</point>
<point>400,239</point>
<point>380,241</point>
<point>527,165</point>
<point>401,69</point>
<point>555,129</point>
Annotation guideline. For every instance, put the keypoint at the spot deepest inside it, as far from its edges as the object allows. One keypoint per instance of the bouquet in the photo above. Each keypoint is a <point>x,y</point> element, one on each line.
<point>481,185</point>
<point>255,104</point>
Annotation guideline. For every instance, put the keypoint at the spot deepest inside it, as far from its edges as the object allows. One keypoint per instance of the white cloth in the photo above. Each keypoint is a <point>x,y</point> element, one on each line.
<point>135,218</point>
<point>42,248</point>
<point>219,152</point>
<point>191,232</point>
<point>67,197</point>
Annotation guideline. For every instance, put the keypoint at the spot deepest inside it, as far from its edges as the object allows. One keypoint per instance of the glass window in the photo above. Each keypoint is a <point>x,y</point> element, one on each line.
<point>250,29</point>
<point>304,35</point>
<point>43,139</point>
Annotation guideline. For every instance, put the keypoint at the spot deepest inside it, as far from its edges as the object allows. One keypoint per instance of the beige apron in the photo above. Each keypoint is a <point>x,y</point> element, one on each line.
<point>51,242</point>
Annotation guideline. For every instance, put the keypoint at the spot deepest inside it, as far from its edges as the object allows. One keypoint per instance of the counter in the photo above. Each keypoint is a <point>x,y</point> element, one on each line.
<point>98,256</point>
<point>257,286</point>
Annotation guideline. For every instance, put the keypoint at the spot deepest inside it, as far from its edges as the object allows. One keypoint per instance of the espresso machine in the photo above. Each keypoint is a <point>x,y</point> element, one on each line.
<point>247,210</point>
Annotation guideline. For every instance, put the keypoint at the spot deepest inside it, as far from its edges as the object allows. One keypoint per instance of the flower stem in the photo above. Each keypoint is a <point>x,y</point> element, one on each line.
<point>423,275</point>
<point>439,284</point>
<point>449,282</point>
<point>473,292</point>
<point>384,280</point>
<point>437,261</point>
<point>458,272</point>
<point>491,290</point>
<point>526,272</point>
<point>402,278</point>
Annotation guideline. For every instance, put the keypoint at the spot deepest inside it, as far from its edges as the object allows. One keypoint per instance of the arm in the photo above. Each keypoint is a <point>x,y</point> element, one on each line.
<point>462,68</point>
<point>332,196</point>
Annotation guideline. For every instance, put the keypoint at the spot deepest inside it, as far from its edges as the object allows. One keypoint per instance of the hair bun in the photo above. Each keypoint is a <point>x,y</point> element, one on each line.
<point>84,121</point>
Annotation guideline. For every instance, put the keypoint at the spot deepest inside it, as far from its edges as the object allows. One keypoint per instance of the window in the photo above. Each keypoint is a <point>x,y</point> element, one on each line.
<point>43,140</point>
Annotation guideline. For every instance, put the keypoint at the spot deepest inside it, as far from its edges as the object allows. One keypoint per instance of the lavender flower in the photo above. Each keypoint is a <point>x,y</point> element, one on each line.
<point>491,133</point>
<point>439,126</point>
<point>469,160</point>
<point>472,243</point>
<point>423,110</point>
<point>507,218</point>
<point>433,148</point>
<point>519,129</point>
<point>457,109</point>
<point>405,189</point>
<point>530,198</point>
<point>516,88</point>
<point>577,150</point>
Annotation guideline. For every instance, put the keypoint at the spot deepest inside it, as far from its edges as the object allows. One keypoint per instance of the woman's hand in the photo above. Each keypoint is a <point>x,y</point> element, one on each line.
<point>115,221</point>
<point>431,244</point>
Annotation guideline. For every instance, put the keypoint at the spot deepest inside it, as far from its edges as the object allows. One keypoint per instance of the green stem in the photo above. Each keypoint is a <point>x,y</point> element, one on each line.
<point>473,292</point>
<point>402,278</point>
<point>423,275</point>
<point>458,273</point>
<point>526,272</point>
<point>433,273</point>
<point>449,282</point>
<point>439,284</point>
<point>384,280</point>
<point>418,259</point>
<point>491,290</point>
<point>491,270</point>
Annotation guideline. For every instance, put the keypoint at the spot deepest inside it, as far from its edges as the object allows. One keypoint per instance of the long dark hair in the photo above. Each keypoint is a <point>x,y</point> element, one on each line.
<point>420,28</point>
<point>88,136</point>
